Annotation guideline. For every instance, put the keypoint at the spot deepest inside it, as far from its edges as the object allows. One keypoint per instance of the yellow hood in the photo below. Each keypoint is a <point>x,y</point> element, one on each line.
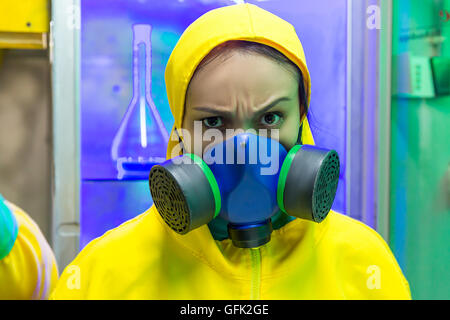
<point>237,22</point>
<point>143,258</point>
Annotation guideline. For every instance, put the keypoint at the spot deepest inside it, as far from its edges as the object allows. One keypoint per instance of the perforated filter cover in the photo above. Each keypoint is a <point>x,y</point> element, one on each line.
<point>169,199</point>
<point>325,186</point>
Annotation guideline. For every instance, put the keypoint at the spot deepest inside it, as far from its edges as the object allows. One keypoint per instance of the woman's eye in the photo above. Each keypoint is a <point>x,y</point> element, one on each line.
<point>270,119</point>
<point>212,122</point>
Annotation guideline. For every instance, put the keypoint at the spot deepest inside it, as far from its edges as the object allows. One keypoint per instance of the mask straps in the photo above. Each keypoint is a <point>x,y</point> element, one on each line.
<point>299,138</point>
<point>180,141</point>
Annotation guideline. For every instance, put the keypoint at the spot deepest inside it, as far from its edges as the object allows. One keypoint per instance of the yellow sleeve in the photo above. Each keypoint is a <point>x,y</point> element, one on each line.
<point>29,271</point>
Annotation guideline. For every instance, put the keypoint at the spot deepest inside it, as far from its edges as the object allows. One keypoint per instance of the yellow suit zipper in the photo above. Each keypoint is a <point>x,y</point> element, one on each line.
<point>255,285</point>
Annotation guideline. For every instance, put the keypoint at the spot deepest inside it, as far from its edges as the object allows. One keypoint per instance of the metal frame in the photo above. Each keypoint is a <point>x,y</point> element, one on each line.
<point>356,126</point>
<point>368,115</point>
<point>65,58</point>
<point>348,198</point>
<point>384,119</point>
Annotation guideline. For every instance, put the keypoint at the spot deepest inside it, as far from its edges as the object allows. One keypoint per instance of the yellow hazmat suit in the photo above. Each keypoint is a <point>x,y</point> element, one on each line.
<point>28,267</point>
<point>143,258</point>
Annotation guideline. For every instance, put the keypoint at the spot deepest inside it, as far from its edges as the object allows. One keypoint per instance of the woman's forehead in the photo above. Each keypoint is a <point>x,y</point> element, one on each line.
<point>240,78</point>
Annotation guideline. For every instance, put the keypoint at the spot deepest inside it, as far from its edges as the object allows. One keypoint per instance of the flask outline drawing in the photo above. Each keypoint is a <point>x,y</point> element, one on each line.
<point>141,140</point>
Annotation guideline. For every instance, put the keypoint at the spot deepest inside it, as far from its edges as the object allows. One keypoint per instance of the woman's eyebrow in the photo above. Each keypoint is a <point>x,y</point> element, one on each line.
<point>214,110</point>
<point>224,112</point>
<point>272,104</point>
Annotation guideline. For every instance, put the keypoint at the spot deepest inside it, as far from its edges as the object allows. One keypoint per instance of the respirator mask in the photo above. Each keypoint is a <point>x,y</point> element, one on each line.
<point>245,180</point>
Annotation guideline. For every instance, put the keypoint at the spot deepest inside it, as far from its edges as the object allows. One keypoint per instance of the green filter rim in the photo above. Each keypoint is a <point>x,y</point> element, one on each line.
<point>283,175</point>
<point>211,179</point>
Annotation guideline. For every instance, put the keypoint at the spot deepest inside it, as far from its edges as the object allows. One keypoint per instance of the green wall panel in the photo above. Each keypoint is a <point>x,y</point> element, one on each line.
<point>420,159</point>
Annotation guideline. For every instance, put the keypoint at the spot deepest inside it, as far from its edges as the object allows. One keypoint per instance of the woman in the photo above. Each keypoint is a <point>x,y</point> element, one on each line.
<point>236,67</point>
